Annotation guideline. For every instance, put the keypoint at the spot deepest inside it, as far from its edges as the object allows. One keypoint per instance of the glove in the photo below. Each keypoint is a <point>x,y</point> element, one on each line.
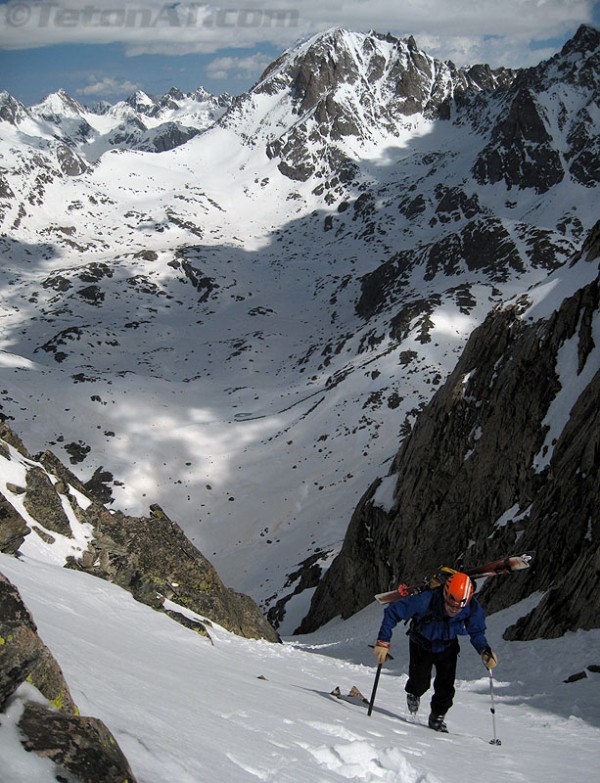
<point>382,650</point>
<point>489,658</point>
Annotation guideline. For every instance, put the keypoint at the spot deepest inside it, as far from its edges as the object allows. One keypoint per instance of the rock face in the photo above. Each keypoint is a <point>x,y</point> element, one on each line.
<point>148,556</point>
<point>522,151</point>
<point>52,726</point>
<point>506,456</point>
<point>43,502</point>
<point>152,558</point>
<point>13,527</point>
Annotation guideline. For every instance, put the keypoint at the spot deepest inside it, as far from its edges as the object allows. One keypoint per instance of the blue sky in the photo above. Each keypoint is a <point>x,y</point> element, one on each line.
<point>104,50</point>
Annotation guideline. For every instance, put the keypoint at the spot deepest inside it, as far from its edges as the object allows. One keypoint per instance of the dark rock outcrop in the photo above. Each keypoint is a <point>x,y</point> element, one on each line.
<point>477,478</point>
<point>70,163</point>
<point>13,527</point>
<point>152,558</point>
<point>11,110</point>
<point>52,726</point>
<point>23,655</point>
<point>521,151</point>
<point>84,746</point>
<point>43,502</point>
<point>169,136</point>
<point>148,556</point>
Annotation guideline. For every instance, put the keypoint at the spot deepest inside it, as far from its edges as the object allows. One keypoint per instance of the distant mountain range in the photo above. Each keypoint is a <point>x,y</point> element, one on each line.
<point>139,123</point>
<point>239,307</point>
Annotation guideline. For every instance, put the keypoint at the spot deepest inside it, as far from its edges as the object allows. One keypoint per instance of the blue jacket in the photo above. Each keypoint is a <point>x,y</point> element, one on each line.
<point>431,627</point>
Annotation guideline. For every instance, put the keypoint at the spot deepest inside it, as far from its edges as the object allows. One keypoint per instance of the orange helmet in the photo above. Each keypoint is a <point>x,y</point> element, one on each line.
<point>458,590</point>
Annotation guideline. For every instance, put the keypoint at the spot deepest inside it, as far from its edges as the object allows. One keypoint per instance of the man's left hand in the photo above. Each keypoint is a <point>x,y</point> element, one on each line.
<point>489,658</point>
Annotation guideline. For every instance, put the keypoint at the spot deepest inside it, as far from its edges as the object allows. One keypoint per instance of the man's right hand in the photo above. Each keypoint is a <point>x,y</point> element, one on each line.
<point>382,650</point>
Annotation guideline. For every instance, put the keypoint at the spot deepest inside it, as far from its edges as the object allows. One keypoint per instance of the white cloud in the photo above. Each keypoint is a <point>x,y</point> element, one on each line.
<point>107,86</point>
<point>464,30</point>
<point>237,67</point>
<point>496,51</point>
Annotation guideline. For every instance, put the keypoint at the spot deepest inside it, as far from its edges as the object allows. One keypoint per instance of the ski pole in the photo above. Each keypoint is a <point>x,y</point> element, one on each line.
<point>495,740</point>
<point>374,691</point>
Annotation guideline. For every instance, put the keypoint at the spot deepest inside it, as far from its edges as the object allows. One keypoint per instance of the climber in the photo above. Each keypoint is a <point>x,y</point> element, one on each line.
<point>438,617</point>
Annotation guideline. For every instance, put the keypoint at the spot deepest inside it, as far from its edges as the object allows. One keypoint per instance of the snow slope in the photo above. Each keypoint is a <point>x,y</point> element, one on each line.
<point>186,710</point>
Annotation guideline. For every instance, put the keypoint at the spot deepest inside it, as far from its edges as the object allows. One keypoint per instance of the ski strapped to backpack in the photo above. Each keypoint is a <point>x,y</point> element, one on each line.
<point>505,566</point>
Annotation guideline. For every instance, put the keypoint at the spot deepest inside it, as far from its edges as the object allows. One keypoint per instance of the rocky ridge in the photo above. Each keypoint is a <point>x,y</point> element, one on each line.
<point>148,556</point>
<point>484,472</point>
<point>141,122</point>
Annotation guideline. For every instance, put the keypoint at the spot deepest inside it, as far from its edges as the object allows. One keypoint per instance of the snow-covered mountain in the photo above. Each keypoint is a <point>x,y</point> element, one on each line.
<point>243,327</point>
<point>348,96</point>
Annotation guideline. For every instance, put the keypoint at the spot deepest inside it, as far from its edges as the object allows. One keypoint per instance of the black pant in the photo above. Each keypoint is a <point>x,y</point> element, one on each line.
<point>419,675</point>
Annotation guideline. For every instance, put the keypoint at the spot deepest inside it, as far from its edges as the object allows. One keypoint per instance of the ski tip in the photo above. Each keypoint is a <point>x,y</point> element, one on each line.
<point>354,696</point>
<point>522,561</point>
<point>354,693</point>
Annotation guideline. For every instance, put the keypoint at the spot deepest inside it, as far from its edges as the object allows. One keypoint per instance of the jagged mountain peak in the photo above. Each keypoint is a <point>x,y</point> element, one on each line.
<point>543,127</point>
<point>173,100</point>
<point>140,122</point>
<point>57,104</point>
<point>11,110</point>
<point>578,62</point>
<point>141,102</point>
<point>341,93</point>
<point>341,56</point>
<point>200,94</point>
<point>335,56</point>
<point>175,92</point>
<point>285,65</point>
<point>586,39</point>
